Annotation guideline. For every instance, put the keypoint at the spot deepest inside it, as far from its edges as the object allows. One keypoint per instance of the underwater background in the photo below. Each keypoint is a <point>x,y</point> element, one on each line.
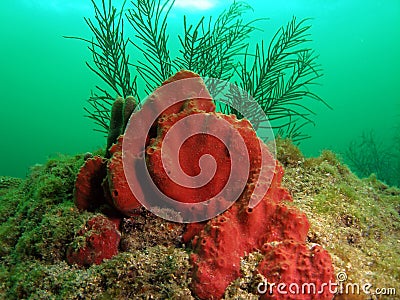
<point>45,82</point>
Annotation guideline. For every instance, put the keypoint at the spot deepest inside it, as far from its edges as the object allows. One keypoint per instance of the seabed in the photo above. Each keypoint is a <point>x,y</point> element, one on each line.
<point>356,220</point>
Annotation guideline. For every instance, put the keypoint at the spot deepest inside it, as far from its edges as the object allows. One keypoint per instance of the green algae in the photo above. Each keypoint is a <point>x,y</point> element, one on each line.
<point>48,240</point>
<point>356,220</point>
<point>159,272</point>
<point>41,221</point>
<point>24,206</point>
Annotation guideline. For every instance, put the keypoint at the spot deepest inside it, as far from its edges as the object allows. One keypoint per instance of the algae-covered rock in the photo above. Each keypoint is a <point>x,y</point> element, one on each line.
<point>96,241</point>
<point>287,153</point>
<point>157,273</point>
<point>147,230</point>
<point>24,205</point>
<point>41,221</point>
<point>356,220</point>
<point>48,240</point>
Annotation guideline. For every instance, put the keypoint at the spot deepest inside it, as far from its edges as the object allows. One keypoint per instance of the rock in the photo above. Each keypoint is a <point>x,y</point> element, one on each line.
<point>97,240</point>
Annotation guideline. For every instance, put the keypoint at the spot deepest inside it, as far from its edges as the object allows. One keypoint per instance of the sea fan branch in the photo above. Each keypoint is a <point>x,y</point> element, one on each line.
<point>110,61</point>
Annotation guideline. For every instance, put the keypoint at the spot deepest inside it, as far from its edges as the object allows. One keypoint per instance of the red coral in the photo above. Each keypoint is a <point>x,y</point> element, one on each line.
<point>119,191</point>
<point>293,271</point>
<point>88,194</point>
<point>100,181</point>
<point>121,195</point>
<point>271,227</point>
<point>240,230</point>
<point>197,146</point>
<point>184,91</point>
<point>97,240</point>
<point>268,164</point>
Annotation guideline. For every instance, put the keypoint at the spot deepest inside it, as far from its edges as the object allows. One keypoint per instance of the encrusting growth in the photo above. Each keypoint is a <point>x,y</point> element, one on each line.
<point>272,228</point>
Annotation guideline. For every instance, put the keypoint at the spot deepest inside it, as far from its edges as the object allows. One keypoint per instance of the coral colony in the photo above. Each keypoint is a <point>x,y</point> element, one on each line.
<point>272,228</point>
<point>187,201</point>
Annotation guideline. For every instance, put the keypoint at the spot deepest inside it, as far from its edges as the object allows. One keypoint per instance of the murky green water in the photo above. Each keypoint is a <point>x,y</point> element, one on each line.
<point>45,83</point>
